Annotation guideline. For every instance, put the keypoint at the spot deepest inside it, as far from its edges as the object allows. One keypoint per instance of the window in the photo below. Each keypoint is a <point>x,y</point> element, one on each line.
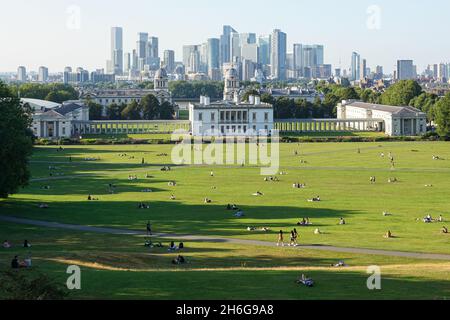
<point>254,116</point>
<point>213,117</point>
<point>200,116</point>
<point>266,116</point>
<point>222,129</point>
<point>222,115</point>
<point>213,129</point>
<point>63,131</point>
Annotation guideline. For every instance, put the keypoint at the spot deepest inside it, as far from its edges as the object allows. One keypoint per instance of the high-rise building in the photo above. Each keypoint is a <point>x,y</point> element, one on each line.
<point>43,74</point>
<point>225,44</point>
<point>363,69</point>
<point>22,74</point>
<point>264,50</point>
<point>188,50</point>
<point>116,64</point>
<point>278,56</point>
<point>298,59</point>
<point>248,70</point>
<point>355,68</point>
<point>249,51</point>
<point>169,60</point>
<point>213,53</point>
<point>127,62</point>
<point>235,47</point>
<point>153,47</point>
<point>141,50</point>
<point>405,70</point>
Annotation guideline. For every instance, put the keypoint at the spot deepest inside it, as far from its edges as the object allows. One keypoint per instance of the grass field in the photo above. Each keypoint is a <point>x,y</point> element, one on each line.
<point>120,267</point>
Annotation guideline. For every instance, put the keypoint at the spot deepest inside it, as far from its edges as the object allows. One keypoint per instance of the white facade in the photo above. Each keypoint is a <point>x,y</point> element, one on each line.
<point>57,122</point>
<point>394,121</point>
<point>231,117</point>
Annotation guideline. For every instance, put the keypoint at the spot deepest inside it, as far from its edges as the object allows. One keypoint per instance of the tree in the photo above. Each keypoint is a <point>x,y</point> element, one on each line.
<point>16,142</point>
<point>166,111</point>
<point>426,102</point>
<point>250,92</point>
<point>132,111</point>
<point>114,111</point>
<point>442,112</point>
<point>150,107</point>
<point>401,93</point>
<point>95,110</point>
<point>58,96</point>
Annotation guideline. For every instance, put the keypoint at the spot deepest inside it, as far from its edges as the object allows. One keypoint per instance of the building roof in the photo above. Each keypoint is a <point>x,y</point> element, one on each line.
<point>161,73</point>
<point>400,111</point>
<point>232,104</point>
<point>38,104</point>
<point>67,108</point>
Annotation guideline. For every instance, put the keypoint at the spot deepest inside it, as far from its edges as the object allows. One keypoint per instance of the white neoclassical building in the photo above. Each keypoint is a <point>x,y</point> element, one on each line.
<point>119,96</point>
<point>57,122</point>
<point>231,116</point>
<point>394,121</point>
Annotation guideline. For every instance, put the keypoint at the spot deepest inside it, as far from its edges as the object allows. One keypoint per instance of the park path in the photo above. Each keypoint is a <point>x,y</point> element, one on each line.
<point>212,239</point>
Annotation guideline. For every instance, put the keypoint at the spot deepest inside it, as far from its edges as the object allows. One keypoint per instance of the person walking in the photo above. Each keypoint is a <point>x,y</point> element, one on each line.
<point>280,239</point>
<point>149,229</point>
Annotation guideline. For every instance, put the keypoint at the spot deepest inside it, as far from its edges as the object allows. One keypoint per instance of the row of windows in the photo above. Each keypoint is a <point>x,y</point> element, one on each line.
<point>230,116</point>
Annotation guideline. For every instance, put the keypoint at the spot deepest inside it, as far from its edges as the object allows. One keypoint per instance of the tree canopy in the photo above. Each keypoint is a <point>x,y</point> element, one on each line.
<point>16,142</point>
<point>443,116</point>
<point>401,93</point>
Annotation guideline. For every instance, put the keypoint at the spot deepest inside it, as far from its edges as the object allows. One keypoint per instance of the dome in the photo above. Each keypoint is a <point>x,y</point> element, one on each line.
<point>231,73</point>
<point>161,73</point>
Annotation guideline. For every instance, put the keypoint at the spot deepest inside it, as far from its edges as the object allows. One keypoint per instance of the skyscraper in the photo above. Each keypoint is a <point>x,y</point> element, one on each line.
<point>355,68</point>
<point>225,47</point>
<point>264,50</point>
<point>405,70</point>
<point>43,74</point>
<point>278,56</point>
<point>126,62</point>
<point>213,53</point>
<point>363,69</point>
<point>169,60</point>
<point>22,74</point>
<point>141,50</point>
<point>116,50</point>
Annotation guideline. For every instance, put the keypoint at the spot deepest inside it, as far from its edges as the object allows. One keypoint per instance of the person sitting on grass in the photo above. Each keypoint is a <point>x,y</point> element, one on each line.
<point>6,244</point>
<point>388,235</point>
<point>305,281</point>
<point>27,263</point>
<point>258,194</point>
<point>15,263</point>
<point>26,244</point>
<point>173,247</point>
<point>342,222</point>
<point>316,199</point>
<point>339,264</point>
<point>317,231</point>
<point>239,214</point>
<point>444,230</point>
<point>228,207</point>
<point>181,246</point>
<point>43,206</point>
<point>172,197</point>
<point>207,201</point>
<point>179,260</point>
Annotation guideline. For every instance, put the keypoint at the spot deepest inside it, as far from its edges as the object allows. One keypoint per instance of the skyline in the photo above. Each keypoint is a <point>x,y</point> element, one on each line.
<point>341,30</point>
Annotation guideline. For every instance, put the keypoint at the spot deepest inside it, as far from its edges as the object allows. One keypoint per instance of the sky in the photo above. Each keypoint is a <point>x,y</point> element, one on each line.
<point>59,33</point>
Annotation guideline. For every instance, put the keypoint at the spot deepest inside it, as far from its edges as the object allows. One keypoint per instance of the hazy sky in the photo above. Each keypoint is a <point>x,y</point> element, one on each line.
<point>48,32</point>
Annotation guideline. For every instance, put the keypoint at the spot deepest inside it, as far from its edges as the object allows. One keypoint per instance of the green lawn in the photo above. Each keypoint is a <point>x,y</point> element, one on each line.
<point>339,173</point>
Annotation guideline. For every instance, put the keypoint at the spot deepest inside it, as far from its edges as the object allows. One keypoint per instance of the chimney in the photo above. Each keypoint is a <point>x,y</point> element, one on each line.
<point>202,100</point>
<point>237,99</point>
<point>257,100</point>
<point>251,99</point>
<point>206,101</point>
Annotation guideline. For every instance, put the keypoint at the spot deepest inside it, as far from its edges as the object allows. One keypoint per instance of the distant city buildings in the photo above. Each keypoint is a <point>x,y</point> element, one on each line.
<point>21,74</point>
<point>406,70</point>
<point>278,55</point>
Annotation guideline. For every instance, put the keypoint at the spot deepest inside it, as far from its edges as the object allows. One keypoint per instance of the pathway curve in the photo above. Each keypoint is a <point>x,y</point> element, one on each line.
<point>415,255</point>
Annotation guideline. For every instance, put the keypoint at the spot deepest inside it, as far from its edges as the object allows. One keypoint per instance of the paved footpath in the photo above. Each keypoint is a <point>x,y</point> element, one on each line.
<point>415,255</point>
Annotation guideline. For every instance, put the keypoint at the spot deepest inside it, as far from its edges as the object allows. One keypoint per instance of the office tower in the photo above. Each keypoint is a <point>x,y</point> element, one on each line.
<point>405,70</point>
<point>134,61</point>
<point>141,50</point>
<point>322,71</point>
<point>442,73</point>
<point>194,62</point>
<point>225,46</point>
<point>356,62</point>
<point>213,53</point>
<point>22,74</point>
<point>249,51</point>
<point>153,47</point>
<point>379,72</point>
<point>203,50</point>
<point>264,50</point>
<point>116,62</point>
<point>248,70</point>
<point>247,38</point>
<point>313,55</point>
<point>188,50</point>
<point>43,74</point>
<point>278,56</point>
<point>126,62</point>
<point>68,69</point>
<point>235,47</point>
<point>298,59</point>
<point>435,71</point>
<point>363,69</point>
<point>169,60</point>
